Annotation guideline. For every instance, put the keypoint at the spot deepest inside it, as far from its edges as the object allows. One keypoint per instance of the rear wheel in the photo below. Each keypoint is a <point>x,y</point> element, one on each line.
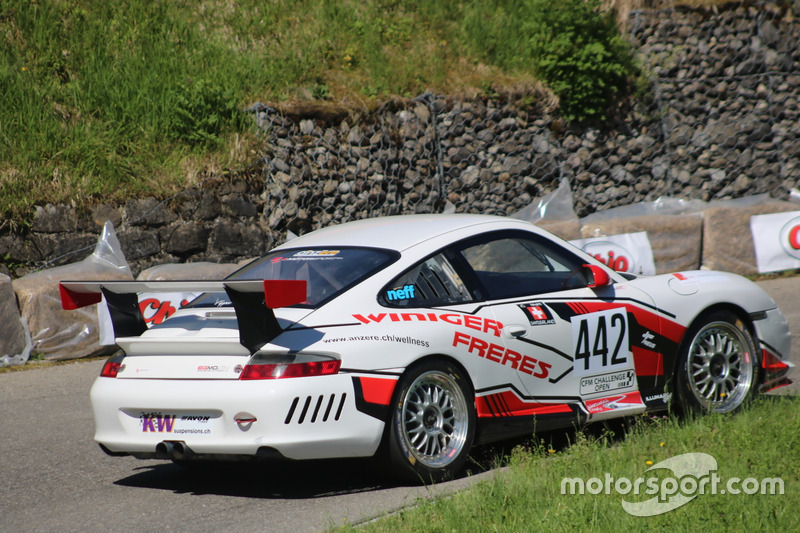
<point>433,422</point>
<point>718,366</point>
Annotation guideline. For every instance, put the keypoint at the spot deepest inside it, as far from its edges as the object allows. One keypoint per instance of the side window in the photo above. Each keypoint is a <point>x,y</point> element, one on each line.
<point>517,264</point>
<point>432,282</point>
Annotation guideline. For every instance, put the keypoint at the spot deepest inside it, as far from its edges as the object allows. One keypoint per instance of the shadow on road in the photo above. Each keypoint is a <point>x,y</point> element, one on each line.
<point>283,480</point>
<point>325,478</point>
<point>296,479</point>
<point>308,479</point>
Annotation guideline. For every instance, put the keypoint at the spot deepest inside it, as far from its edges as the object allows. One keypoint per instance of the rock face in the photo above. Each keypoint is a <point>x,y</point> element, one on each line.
<point>721,124</point>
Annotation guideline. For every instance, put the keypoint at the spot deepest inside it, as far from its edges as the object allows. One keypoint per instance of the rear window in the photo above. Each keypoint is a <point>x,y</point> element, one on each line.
<point>432,282</point>
<point>327,271</point>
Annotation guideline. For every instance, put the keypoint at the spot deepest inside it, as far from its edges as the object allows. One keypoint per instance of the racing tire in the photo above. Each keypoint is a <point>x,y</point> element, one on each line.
<point>718,364</point>
<point>432,425</point>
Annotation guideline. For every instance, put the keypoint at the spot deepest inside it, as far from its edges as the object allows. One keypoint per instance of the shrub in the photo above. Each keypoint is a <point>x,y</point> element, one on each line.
<point>202,110</point>
<point>573,46</point>
<point>580,54</point>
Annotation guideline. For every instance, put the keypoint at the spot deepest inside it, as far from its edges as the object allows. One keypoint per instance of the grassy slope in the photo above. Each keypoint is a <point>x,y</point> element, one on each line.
<point>139,97</point>
<point>761,442</point>
<point>111,100</point>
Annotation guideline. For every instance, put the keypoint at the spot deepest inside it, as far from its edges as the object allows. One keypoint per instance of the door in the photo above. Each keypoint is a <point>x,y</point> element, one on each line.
<point>569,344</point>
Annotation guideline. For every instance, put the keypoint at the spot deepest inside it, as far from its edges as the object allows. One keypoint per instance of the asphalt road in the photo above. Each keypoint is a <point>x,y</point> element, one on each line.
<point>53,477</point>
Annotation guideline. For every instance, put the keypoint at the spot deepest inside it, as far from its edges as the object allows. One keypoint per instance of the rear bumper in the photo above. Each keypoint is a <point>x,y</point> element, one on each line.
<point>303,418</point>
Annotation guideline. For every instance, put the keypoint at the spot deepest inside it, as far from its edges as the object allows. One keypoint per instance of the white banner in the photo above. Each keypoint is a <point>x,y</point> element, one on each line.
<point>776,238</point>
<point>628,252</point>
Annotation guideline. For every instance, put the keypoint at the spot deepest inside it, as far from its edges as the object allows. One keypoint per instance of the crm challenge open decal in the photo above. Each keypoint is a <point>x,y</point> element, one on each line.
<point>603,360</point>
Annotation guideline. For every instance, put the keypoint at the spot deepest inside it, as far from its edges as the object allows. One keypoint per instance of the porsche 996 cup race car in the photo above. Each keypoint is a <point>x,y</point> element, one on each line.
<point>415,338</point>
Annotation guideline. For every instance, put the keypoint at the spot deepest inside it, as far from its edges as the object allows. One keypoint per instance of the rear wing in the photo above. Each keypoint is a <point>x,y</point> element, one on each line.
<point>253,301</point>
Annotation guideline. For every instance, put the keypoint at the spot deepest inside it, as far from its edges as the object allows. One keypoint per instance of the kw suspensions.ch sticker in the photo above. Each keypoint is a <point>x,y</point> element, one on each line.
<point>603,361</point>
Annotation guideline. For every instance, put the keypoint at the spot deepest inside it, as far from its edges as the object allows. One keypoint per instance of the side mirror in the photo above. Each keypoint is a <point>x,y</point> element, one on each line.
<point>596,276</point>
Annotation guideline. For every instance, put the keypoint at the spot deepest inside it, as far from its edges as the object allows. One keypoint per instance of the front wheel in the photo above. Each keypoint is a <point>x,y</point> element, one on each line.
<point>433,422</point>
<point>718,366</point>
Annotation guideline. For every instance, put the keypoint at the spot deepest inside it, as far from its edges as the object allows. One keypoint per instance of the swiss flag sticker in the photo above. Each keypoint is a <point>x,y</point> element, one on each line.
<point>538,314</point>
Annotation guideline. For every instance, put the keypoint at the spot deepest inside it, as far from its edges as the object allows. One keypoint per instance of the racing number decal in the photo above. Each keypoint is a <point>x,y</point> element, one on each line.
<point>600,342</point>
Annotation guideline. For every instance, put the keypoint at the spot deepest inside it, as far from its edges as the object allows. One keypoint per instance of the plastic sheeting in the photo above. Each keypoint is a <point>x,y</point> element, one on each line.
<point>727,239</point>
<point>554,212</point>
<point>60,334</point>
<point>674,228</point>
<point>15,339</point>
<point>193,271</point>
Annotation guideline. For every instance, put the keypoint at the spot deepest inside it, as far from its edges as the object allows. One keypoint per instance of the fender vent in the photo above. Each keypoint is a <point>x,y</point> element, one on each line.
<point>314,409</point>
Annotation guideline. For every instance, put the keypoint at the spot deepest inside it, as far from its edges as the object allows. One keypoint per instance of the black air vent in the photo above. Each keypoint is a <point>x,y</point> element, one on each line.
<point>316,409</point>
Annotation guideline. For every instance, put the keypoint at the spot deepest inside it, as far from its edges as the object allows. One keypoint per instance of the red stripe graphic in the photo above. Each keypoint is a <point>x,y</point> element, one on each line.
<point>649,320</point>
<point>647,363</point>
<point>507,403</point>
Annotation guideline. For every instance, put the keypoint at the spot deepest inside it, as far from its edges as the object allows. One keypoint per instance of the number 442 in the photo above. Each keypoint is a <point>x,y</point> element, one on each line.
<point>600,342</point>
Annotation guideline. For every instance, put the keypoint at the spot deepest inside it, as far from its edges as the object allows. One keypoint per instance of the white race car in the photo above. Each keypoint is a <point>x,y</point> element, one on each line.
<point>416,337</point>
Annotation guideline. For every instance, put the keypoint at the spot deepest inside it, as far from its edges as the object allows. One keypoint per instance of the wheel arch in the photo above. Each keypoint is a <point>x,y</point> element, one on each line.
<point>391,448</point>
<point>737,310</point>
<point>738,318</point>
<point>381,406</point>
<point>441,357</point>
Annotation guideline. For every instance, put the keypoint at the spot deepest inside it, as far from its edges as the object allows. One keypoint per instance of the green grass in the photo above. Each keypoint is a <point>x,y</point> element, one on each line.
<point>112,100</point>
<point>761,442</point>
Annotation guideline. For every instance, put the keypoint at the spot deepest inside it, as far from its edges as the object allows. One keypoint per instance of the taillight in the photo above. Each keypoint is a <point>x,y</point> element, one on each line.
<point>274,370</point>
<point>112,367</point>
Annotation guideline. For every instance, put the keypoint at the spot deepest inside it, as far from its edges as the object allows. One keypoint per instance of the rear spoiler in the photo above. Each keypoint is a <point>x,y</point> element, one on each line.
<point>253,301</point>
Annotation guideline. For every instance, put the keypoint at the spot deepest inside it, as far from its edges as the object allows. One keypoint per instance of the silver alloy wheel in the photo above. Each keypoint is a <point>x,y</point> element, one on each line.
<point>720,367</point>
<point>435,419</point>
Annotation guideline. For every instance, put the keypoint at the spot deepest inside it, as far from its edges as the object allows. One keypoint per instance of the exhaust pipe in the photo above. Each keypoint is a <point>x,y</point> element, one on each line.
<point>181,451</point>
<point>173,450</point>
<point>165,450</point>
